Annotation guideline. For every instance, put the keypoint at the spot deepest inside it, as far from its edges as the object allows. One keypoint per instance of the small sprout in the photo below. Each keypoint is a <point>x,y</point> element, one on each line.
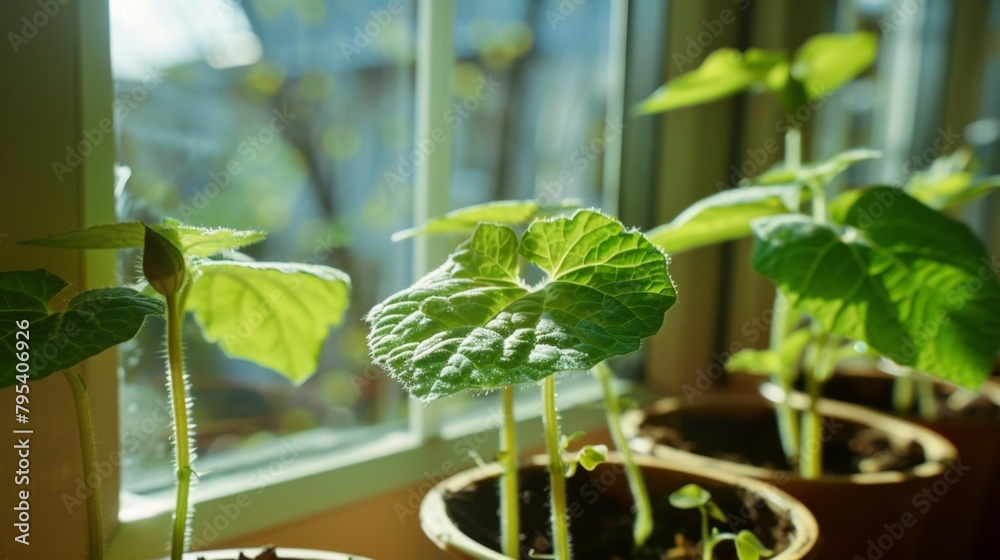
<point>690,496</point>
<point>748,546</point>
<point>163,264</point>
<point>592,455</point>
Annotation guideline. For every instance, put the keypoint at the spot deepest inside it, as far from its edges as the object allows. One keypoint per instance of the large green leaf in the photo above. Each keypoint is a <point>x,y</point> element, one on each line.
<point>723,216</point>
<point>905,279</point>
<point>274,314</point>
<point>193,240</point>
<point>723,73</point>
<point>93,321</point>
<point>510,212</point>
<point>473,324</point>
<point>827,61</point>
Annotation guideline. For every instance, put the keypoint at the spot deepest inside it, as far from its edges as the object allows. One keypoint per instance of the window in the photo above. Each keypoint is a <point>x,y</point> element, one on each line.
<point>298,118</point>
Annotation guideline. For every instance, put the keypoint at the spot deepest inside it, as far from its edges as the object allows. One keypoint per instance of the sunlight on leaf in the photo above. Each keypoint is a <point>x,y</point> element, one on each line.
<point>276,315</point>
<point>473,323</point>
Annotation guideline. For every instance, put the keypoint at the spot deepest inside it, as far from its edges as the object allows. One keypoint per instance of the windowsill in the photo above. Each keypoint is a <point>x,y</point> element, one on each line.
<point>297,484</point>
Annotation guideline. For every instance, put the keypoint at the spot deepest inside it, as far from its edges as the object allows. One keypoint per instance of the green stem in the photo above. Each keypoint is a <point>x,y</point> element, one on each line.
<point>510,522</point>
<point>926,399</point>
<point>643,508</point>
<point>788,422</point>
<point>902,394</point>
<point>183,435</point>
<point>560,525</point>
<point>817,372</point>
<point>706,539</point>
<point>91,474</point>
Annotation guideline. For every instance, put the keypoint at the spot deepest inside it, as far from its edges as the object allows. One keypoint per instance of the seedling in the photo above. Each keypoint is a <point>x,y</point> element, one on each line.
<point>519,213</point>
<point>36,342</point>
<point>474,324</point>
<point>300,302</point>
<point>871,265</point>
<point>692,496</point>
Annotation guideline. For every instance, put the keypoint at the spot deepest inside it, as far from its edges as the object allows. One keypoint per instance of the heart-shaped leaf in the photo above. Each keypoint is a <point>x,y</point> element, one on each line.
<point>510,212</point>
<point>749,547</point>
<point>689,496</point>
<point>93,321</point>
<point>473,323</point>
<point>723,216</point>
<point>910,282</point>
<point>723,73</point>
<point>274,314</point>
<point>590,456</point>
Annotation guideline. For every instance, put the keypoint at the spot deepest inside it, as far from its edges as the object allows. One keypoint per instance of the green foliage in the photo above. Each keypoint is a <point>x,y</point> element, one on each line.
<point>823,171</point>
<point>749,547</point>
<point>509,212</point>
<point>692,496</point>
<point>782,363</point>
<point>950,181</point>
<point>474,324</point>
<point>193,241</point>
<point>723,73</point>
<point>826,62</point>
<point>723,216</point>
<point>273,314</point>
<point>820,66</point>
<point>276,315</point>
<point>92,322</point>
<point>908,281</point>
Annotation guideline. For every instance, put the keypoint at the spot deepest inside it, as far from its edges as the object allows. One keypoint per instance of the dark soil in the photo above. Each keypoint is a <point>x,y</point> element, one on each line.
<point>876,392</point>
<point>750,436</point>
<point>600,510</point>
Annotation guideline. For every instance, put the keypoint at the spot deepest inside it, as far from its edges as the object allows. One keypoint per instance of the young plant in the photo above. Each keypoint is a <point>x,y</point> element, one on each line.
<point>93,321</point>
<point>519,213</point>
<point>296,304</point>
<point>692,496</point>
<point>871,265</point>
<point>474,324</point>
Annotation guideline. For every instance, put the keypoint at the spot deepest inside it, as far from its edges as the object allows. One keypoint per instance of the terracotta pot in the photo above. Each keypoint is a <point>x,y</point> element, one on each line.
<point>977,439</point>
<point>447,522</point>
<point>283,554</point>
<point>863,514</point>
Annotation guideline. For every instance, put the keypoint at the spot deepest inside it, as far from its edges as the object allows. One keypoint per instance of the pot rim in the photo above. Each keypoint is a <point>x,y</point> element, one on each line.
<point>937,449</point>
<point>441,530</point>
<point>296,553</point>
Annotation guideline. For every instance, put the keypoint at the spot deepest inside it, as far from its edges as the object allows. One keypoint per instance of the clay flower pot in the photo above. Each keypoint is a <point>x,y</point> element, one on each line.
<point>975,433</point>
<point>460,515</point>
<point>860,514</point>
<point>282,554</point>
